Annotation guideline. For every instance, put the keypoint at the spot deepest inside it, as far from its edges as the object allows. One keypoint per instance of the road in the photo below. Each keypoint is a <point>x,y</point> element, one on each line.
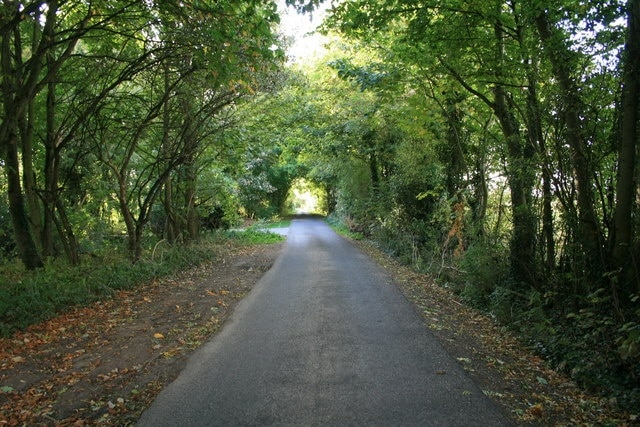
<point>323,339</point>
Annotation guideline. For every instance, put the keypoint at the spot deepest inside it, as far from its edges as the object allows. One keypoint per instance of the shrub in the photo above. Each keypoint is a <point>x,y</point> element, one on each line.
<point>486,272</point>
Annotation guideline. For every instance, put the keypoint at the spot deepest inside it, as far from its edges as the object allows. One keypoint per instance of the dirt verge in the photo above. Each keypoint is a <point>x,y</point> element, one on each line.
<point>104,364</point>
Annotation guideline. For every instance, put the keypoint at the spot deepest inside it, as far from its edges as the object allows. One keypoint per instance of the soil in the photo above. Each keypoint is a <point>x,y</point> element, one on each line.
<point>104,364</point>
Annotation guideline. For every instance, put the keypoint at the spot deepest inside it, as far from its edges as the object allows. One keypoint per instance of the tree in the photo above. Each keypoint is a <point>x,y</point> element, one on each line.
<point>563,65</point>
<point>626,186</point>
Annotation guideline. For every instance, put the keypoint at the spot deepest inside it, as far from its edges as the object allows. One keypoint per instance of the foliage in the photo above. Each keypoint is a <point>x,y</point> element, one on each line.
<point>114,123</point>
<point>484,266</point>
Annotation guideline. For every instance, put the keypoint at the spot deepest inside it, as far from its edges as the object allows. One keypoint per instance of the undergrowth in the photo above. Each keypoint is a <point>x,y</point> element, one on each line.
<point>343,228</point>
<point>579,335</point>
<point>29,297</point>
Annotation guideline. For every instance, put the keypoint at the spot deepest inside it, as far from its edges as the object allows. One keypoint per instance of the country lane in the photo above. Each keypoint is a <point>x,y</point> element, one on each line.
<point>323,339</point>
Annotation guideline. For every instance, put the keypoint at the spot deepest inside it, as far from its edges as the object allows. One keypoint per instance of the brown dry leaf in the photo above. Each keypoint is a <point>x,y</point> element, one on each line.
<point>537,411</point>
<point>158,336</point>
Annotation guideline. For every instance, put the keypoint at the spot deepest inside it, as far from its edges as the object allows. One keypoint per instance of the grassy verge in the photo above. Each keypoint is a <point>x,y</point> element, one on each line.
<point>255,235</point>
<point>342,229</point>
<point>29,297</point>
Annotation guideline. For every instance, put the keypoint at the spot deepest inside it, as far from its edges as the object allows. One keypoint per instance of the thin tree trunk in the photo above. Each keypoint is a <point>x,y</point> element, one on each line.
<point>29,175</point>
<point>521,177</point>
<point>627,185</point>
<point>454,155</point>
<point>171,226</point>
<point>588,234</point>
<point>22,233</point>
<point>537,140</point>
<point>50,173</point>
<point>65,230</point>
<point>193,222</point>
<point>26,124</point>
<point>190,148</point>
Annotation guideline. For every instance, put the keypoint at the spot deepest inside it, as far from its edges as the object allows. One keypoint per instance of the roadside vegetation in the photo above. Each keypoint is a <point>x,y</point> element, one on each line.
<point>29,297</point>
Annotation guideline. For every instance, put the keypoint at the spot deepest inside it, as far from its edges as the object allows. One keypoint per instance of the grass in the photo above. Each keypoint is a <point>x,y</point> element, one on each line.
<point>29,297</point>
<point>342,229</point>
<point>255,236</point>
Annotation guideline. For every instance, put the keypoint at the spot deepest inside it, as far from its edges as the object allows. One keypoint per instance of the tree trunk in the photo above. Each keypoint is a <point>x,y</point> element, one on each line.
<point>193,222</point>
<point>50,173</point>
<point>21,230</point>
<point>29,175</point>
<point>65,230</point>
<point>627,185</point>
<point>133,242</point>
<point>14,107</point>
<point>588,234</point>
<point>171,226</point>
<point>536,138</point>
<point>521,177</point>
<point>454,154</point>
<point>190,147</point>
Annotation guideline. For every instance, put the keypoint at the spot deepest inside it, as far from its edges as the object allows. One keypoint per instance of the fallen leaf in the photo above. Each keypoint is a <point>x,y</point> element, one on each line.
<point>536,410</point>
<point>158,335</point>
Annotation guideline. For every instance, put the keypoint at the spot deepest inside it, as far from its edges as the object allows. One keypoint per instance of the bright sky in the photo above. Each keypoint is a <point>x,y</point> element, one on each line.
<point>299,26</point>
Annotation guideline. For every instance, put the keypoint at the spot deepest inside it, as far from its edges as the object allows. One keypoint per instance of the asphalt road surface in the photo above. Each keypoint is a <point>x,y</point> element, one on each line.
<point>323,339</point>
